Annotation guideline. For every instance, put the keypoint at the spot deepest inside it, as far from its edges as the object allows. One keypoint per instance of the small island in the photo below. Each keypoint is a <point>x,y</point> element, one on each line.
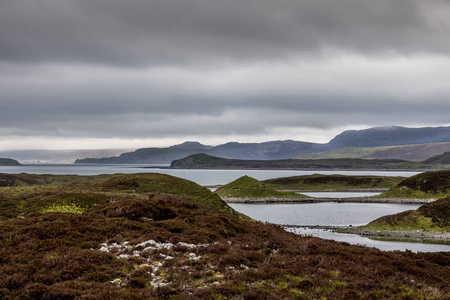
<point>431,222</point>
<point>9,162</point>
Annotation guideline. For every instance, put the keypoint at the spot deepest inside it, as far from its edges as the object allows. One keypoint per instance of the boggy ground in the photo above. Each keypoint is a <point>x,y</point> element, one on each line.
<point>138,241</point>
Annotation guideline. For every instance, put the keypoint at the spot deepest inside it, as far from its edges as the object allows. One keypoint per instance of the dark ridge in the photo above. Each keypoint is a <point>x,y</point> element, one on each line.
<point>9,162</point>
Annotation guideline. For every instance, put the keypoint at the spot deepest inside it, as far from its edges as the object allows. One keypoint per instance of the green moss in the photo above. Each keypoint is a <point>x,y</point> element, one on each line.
<point>64,208</point>
<point>429,217</point>
<point>247,187</point>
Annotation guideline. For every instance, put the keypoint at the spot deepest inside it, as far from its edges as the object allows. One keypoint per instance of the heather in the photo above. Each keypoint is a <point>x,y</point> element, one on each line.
<point>152,236</point>
<point>433,184</point>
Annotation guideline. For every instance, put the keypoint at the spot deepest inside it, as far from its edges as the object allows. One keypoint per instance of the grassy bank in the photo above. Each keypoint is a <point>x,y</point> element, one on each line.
<point>427,185</point>
<point>429,222</point>
<point>246,187</point>
<point>318,182</point>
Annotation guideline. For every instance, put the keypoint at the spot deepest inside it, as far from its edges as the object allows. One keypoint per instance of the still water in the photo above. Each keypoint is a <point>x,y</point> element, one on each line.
<point>202,177</point>
<point>335,214</point>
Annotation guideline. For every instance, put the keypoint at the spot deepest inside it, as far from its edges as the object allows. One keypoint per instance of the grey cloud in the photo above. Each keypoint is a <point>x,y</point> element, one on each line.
<point>227,117</point>
<point>141,33</point>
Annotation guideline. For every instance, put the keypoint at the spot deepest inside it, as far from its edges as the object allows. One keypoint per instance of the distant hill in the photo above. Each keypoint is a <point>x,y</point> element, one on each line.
<point>275,150</point>
<point>417,152</point>
<point>205,161</point>
<point>39,156</point>
<point>9,162</point>
<point>150,155</point>
<point>391,136</point>
<point>262,151</point>
<point>439,159</point>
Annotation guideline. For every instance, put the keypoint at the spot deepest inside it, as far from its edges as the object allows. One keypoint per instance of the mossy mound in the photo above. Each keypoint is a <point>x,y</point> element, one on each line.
<point>434,217</point>
<point>27,193</point>
<point>434,184</point>
<point>333,182</point>
<point>161,183</point>
<point>248,187</point>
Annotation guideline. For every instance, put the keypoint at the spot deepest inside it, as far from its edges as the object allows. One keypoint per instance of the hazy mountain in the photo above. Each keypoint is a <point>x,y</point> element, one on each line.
<point>261,151</point>
<point>57,156</point>
<point>373,137</point>
<point>417,152</point>
<point>391,136</point>
<point>266,150</point>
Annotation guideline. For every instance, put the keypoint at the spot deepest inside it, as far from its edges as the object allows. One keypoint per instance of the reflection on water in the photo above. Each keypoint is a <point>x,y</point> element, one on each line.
<point>324,214</point>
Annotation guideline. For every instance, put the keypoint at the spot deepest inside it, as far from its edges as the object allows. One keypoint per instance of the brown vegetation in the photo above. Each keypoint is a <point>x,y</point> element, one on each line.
<point>135,243</point>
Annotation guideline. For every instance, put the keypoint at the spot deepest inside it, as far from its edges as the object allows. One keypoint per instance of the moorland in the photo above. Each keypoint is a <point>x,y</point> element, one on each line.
<point>153,236</point>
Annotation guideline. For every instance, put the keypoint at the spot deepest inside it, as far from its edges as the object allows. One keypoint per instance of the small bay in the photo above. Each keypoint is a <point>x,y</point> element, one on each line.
<point>338,215</point>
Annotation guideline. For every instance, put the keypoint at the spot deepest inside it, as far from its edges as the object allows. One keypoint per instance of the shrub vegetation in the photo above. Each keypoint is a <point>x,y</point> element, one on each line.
<point>150,236</point>
<point>433,184</point>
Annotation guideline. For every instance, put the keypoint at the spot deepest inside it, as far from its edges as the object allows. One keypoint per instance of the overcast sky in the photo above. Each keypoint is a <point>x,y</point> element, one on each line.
<point>148,73</point>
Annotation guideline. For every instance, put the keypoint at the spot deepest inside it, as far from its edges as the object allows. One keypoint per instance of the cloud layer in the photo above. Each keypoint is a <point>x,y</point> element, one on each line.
<point>213,70</point>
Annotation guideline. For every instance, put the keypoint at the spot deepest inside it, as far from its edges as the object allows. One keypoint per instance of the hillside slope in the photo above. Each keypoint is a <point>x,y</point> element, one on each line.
<point>418,152</point>
<point>439,159</point>
<point>390,136</point>
<point>433,184</point>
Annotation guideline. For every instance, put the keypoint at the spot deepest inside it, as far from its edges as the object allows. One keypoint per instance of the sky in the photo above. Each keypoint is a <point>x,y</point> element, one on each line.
<point>96,74</point>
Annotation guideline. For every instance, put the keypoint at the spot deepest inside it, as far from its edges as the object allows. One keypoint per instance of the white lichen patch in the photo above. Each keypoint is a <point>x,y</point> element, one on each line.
<point>153,256</point>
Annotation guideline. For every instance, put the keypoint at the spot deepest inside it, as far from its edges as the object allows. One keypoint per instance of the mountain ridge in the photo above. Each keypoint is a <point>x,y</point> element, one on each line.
<point>286,149</point>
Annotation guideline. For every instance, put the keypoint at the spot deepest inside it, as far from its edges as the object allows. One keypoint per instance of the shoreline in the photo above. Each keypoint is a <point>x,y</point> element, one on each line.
<point>416,235</point>
<point>393,235</point>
